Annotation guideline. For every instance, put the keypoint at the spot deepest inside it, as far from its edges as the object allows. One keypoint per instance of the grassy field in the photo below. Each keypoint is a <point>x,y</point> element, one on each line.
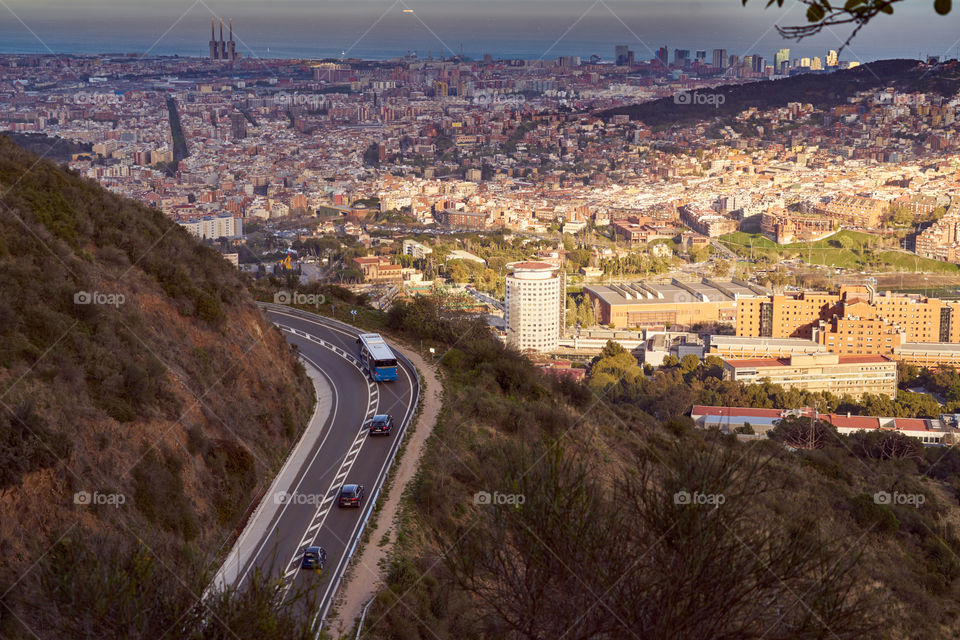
<point>860,253</point>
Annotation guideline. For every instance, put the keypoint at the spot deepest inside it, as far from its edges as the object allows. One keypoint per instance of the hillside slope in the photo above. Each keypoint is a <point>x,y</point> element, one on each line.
<point>822,91</point>
<point>144,403</point>
<point>548,508</point>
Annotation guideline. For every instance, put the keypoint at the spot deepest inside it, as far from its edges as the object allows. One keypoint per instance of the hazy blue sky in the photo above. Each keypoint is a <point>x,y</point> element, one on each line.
<point>529,28</point>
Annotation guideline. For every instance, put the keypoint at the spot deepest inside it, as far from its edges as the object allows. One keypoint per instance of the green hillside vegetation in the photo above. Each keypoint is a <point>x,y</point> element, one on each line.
<point>133,364</point>
<point>845,249</point>
<point>610,516</point>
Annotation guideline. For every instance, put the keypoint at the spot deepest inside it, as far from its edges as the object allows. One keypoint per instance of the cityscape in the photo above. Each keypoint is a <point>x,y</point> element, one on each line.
<point>650,340</point>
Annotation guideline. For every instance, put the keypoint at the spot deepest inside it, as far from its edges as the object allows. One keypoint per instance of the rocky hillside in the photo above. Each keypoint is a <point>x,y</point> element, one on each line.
<point>144,404</point>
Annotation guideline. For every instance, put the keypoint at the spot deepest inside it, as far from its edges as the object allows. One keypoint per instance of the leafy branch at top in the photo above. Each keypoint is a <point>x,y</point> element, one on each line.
<point>823,14</point>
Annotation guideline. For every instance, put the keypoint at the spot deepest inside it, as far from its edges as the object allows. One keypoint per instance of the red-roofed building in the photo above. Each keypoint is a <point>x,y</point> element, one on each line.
<point>728,419</point>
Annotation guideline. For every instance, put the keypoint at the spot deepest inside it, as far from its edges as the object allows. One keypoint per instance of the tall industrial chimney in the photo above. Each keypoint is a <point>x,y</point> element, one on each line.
<point>232,50</point>
<point>214,51</point>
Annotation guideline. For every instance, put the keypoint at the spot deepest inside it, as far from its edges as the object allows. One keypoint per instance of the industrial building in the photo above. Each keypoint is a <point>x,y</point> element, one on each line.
<point>677,305</point>
<point>222,49</point>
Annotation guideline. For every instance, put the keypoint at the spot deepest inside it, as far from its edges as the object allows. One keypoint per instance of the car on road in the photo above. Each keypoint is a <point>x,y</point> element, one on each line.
<point>350,495</point>
<point>313,558</point>
<point>381,424</point>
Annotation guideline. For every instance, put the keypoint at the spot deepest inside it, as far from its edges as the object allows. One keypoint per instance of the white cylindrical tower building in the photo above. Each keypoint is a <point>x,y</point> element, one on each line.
<point>533,308</point>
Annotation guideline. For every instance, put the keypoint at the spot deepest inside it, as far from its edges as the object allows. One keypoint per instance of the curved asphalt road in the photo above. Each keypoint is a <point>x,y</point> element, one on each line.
<point>343,453</point>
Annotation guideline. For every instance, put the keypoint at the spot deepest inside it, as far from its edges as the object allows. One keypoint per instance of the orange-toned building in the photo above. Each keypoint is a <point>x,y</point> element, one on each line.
<point>379,269</point>
<point>855,321</point>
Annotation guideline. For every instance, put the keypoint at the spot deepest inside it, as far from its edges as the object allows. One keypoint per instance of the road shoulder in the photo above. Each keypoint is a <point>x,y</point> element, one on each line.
<point>365,575</point>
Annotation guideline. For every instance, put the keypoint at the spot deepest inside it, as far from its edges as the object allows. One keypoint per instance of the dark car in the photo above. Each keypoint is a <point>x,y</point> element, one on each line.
<point>313,558</point>
<point>350,495</point>
<point>381,425</point>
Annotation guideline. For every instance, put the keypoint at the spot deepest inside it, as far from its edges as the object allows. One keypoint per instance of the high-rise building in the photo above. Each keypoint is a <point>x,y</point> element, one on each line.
<point>720,58</point>
<point>663,55</point>
<point>701,56</point>
<point>734,60</point>
<point>758,63</point>
<point>816,64</point>
<point>832,58</point>
<point>681,57</point>
<point>620,54</point>
<point>781,59</point>
<point>238,126</point>
<point>533,306</point>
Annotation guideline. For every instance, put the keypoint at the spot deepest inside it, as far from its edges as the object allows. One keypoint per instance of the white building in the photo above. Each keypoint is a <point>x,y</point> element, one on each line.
<point>416,249</point>
<point>534,306</point>
<point>213,227</point>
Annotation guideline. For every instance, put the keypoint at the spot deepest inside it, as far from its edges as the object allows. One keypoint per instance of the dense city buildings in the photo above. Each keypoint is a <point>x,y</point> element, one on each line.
<point>533,306</point>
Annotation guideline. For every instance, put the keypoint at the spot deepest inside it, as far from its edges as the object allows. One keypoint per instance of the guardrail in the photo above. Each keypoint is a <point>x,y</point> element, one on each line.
<point>313,317</point>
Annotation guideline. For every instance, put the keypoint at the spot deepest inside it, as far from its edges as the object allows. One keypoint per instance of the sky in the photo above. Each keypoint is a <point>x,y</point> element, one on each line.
<point>520,28</point>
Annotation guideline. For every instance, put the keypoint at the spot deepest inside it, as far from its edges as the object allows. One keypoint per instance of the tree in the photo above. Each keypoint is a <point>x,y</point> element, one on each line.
<point>689,364</point>
<point>804,433</point>
<point>823,14</point>
<point>898,214</point>
<point>571,311</point>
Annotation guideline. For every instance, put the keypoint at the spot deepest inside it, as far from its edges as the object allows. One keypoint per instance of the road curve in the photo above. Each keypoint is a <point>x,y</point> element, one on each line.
<point>300,508</point>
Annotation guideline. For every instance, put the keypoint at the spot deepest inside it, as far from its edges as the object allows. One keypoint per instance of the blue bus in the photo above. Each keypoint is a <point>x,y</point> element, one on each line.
<point>377,357</point>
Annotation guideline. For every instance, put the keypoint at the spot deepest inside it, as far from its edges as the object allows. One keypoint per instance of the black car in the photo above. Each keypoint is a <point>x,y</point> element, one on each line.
<point>350,495</point>
<point>313,558</point>
<point>381,424</point>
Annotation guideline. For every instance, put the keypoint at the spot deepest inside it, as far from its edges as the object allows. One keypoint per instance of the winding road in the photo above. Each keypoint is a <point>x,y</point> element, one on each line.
<point>299,509</point>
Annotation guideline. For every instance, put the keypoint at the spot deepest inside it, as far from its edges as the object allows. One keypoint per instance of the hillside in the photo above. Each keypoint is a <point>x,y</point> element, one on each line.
<point>822,91</point>
<point>547,508</point>
<point>144,404</point>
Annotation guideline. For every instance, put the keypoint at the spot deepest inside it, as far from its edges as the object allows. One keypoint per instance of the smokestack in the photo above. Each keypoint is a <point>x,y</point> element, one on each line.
<point>221,29</point>
<point>212,35</point>
<point>231,29</point>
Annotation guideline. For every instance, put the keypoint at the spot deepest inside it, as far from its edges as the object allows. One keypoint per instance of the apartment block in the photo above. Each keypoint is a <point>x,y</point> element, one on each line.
<point>855,321</point>
<point>836,374</point>
<point>853,211</point>
<point>533,306</point>
<point>707,221</point>
<point>786,226</point>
